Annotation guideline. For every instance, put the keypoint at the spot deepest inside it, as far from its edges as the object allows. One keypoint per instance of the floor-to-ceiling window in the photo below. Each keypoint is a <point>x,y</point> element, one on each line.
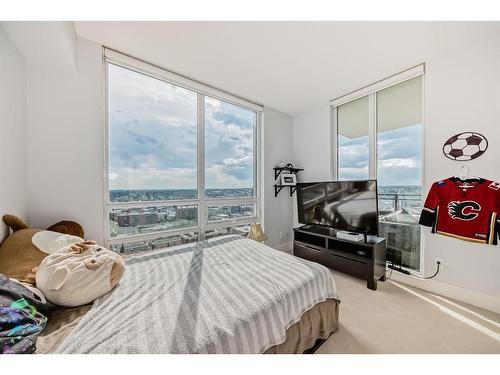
<point>353,151</point>
<point>399,169</point>
<point>379,135</point>
<point>182,161</point>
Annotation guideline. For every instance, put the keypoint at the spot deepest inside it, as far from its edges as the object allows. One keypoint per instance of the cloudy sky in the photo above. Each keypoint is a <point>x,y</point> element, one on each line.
<point>153,141</point>
<point>399,157</point>
<point>153,136</point>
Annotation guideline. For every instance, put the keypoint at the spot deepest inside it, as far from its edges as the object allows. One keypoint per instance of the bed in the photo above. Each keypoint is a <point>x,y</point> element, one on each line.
<point>224,295</point>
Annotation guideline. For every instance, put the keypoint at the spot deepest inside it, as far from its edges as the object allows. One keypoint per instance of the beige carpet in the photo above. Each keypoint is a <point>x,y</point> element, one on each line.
<point>393,320</point>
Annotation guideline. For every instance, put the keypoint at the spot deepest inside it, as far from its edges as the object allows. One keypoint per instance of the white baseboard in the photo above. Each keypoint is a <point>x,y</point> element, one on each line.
<point>286,247</point>
<point>447,290</point>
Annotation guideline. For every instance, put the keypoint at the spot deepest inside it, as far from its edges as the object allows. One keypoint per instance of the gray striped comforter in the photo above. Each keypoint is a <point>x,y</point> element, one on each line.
<point>225,295</point>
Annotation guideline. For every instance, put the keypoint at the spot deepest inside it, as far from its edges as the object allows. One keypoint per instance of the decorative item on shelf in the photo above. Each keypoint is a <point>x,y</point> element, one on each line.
<point>288,167</point>
<point>465,146</point>
<point>282,164</point>
<point>288,179</point>
<point>256,233</point>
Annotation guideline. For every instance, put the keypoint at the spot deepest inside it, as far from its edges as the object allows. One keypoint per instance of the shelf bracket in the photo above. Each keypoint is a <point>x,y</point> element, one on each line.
<point>277,190</point>
<point>277,173</point>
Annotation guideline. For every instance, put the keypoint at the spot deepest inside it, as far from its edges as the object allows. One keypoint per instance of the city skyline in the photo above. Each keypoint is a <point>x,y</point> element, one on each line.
<point>158,218</point>
<point>144,195</point>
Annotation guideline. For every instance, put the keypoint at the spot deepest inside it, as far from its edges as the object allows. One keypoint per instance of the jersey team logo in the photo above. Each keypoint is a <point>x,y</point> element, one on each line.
<point>466,210</point>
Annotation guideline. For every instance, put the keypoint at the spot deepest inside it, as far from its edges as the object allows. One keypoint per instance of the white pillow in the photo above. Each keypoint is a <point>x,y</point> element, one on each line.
<point>48,241</point>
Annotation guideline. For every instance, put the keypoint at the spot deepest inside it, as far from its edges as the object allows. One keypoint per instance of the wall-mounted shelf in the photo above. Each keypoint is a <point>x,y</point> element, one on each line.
<point>277,172</point>
<point>278,188</point>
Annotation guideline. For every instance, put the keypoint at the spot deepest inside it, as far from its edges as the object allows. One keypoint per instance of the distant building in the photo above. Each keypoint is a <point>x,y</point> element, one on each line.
<point>186,212</point>
<point>123,220</point>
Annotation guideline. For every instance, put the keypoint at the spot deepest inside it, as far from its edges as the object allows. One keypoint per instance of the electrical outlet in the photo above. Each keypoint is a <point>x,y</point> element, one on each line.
<point>440,261</point>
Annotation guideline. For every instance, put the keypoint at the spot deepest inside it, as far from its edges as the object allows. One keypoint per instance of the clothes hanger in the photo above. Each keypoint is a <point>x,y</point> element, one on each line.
<point>464,175</point>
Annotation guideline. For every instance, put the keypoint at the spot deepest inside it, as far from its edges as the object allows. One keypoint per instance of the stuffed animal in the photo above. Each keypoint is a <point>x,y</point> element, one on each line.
<point>25,248</point>
<point>79,273</point>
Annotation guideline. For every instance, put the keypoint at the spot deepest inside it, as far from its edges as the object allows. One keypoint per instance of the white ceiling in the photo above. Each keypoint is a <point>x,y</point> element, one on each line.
<point>290,66</point>
<point>45,42</point>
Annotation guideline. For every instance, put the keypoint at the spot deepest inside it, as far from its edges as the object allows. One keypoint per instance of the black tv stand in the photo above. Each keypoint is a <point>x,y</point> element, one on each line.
<point>364,259</point>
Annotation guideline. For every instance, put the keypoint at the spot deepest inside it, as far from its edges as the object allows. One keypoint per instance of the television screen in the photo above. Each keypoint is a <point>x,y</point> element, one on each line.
<point>345,205</point>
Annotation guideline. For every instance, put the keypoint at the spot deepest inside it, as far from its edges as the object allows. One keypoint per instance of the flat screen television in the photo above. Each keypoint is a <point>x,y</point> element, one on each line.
<point>344,205</point>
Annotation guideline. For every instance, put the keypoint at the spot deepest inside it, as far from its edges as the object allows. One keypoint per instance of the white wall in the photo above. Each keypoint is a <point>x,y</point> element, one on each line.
<point>311,144</point>
<point>311,148</point>
<point>12,131</point>
<point>277,141</point>
<point>462,93</point>
<point>65,142</point>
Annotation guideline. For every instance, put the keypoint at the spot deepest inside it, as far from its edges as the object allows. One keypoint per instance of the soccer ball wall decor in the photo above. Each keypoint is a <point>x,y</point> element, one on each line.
<point>465,146</point>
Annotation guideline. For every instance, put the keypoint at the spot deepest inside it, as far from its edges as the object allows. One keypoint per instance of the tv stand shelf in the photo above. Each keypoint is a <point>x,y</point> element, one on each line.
<point>320,244</point>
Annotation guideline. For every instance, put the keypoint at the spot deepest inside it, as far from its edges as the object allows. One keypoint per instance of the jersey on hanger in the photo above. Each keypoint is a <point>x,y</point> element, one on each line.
<point>468,213</point>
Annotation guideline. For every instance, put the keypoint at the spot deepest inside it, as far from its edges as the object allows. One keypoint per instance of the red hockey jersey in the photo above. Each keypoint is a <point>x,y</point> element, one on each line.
<point>468,213</point>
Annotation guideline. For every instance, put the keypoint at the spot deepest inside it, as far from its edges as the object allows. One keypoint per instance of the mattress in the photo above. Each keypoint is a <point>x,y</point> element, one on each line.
<point>225,295</point>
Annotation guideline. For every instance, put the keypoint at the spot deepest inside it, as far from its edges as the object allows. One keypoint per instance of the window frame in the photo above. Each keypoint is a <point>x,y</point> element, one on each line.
<point>371,92</point>
<point>127,62</point>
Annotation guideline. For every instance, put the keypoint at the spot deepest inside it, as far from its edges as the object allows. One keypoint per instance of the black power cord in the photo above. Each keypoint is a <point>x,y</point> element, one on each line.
<point>390,273</point>
<point>391,266</point>
<point>433,276</point>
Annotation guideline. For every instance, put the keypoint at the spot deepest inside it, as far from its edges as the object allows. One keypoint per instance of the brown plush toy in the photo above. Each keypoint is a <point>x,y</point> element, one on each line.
<point>25,248</point>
